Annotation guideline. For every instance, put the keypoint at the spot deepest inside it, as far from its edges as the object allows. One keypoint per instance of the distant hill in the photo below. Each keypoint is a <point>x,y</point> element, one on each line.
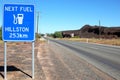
<point>88,31</point>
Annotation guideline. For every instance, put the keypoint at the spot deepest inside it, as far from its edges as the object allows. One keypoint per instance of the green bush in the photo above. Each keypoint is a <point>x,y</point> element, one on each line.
<point>37,36</point>
<point>57,35</point>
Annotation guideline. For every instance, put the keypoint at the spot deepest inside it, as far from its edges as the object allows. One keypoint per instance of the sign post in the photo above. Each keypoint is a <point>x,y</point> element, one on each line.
<point>33,67</point>
<point>5,60</point>
<point>18,26</point>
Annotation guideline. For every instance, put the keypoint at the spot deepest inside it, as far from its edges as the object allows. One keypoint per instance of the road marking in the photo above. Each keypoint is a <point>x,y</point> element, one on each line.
<point>94,48</point>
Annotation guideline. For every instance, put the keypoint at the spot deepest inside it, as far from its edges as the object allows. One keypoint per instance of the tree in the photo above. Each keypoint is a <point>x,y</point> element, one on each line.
<point>37,36</point>
<point>57,35</point>
<point>50,34</point>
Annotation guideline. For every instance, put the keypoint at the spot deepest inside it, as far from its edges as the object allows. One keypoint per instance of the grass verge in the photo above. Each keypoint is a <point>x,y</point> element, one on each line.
<point>93,40</point>
<point>1,41</point>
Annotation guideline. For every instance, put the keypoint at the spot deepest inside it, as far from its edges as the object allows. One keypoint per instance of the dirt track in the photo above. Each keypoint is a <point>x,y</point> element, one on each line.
<point>19,61</point>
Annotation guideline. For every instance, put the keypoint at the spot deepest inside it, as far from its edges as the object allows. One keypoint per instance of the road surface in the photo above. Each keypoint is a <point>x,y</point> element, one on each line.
<point>106,58</point>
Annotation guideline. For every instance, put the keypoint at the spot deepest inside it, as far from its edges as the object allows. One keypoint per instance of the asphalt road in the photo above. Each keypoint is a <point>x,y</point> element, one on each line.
<point>104,57</point>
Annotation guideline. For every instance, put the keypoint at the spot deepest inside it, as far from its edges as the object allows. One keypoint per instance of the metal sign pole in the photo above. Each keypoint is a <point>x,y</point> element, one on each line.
<point>33,67</point>
<point>5,60</point>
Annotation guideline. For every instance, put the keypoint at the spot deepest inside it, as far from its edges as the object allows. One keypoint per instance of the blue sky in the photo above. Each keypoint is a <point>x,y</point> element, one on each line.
<point>58,15</point>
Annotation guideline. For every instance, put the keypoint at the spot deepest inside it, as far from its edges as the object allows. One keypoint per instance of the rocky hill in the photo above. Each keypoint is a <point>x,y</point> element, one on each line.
<point>88,31</point>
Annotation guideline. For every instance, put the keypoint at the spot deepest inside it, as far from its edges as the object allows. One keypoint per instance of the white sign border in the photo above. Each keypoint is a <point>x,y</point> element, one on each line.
<point>34,24</point>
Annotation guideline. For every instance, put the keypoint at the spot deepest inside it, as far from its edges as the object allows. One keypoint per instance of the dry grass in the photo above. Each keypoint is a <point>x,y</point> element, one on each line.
<point>93,40</point>
<point>1,41</point>
<point>17,43</point>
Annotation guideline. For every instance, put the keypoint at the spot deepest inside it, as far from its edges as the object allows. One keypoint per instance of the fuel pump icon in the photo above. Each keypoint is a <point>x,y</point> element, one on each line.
<point>18,19</point>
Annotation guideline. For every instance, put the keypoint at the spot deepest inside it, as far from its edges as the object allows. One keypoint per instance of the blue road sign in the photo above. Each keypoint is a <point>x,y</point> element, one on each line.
<point>18,22</point>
